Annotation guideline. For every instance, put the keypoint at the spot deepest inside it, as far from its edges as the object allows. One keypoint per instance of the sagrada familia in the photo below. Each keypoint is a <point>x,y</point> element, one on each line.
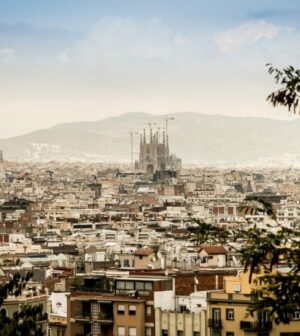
<point>155,154</point>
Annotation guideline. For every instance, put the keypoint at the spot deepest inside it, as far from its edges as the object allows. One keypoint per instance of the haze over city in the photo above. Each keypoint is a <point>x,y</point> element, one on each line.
<point>149,168</point>
<point>72,60</point>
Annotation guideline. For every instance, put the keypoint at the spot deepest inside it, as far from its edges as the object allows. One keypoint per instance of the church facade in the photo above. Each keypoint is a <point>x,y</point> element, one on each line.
<point>155,154</point>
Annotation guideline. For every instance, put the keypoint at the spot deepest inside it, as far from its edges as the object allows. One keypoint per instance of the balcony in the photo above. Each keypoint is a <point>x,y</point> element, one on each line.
<point>105,318</point>
<point>82,318</point>
<point>256,326</point>
<point>215,324</point>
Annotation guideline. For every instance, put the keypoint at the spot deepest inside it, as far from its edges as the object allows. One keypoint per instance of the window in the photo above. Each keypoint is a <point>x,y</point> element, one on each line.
<point>148,286</point>
<point>132,310</point>
<point>120,285</point>
<point>237,288</point>
<point>179,333</point>
<point>141,257</point>
<point>196,333</point>
<point>216,314</point>
<point>216,333</point>
<point>148,310</point>
<point>230,314</point>
<point>121,309</point>
<point>230,333</point>
<point>139,286</point>
<point>182,308</point>
<point>164,332</point>
<point>129,285</point>
<point>296,315</point>
<point>132,331</point>
<point>148,331</point>
<point>86,308</point>
<point>121,331</point>
<point>126,263</point>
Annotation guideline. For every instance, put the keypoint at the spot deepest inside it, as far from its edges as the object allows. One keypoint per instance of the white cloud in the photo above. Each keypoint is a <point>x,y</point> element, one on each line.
<point>180,39</point>
<point>247,33</point>
<point>64,56</point>
<point>7,54</point>
<point>122,40</point>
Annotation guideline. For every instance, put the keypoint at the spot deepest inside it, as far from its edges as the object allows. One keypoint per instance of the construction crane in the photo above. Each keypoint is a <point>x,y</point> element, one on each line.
<point>166,118</point>
<point>132,133</point>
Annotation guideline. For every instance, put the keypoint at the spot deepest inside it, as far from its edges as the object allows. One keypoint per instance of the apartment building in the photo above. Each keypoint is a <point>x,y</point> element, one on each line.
<point>115,305</point>
<point>227,312</point>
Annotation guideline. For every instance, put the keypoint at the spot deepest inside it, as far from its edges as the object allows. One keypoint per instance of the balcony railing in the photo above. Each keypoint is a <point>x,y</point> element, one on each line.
<point>256,325</point>
<point>215,324</point>
<point>105,317</point>
<point>82,317</point>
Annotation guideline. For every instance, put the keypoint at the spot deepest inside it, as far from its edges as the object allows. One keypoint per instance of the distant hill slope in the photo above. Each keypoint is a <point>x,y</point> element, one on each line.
<point>194,137</point>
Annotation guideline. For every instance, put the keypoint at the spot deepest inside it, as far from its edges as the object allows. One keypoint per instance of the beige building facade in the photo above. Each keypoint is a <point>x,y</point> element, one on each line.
<point>170,323</point>
<point>227,313</point>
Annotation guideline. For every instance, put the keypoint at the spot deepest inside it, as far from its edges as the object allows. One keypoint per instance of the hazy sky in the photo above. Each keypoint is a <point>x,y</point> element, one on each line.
<point>70,60</point>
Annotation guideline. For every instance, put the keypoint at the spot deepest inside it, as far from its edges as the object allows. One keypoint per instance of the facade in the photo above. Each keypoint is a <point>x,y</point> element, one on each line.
<point>173,323</point>
<point>108,315</point>
<point>145,258</point>
<point>11,304</point>
<point>155,154</point>
<point>213,256</point>
<point>227,313</point>
<point>115,306</point>
<point>57,317</point>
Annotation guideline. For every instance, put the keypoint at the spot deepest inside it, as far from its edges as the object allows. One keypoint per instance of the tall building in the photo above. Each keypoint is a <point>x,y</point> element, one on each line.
<point>155,153</point>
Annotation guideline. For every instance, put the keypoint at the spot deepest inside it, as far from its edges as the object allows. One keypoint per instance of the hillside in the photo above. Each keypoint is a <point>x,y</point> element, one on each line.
<point>195,137</point>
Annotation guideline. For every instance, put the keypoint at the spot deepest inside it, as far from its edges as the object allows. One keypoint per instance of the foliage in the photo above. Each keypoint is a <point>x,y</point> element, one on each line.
<point>206,233</point>
<point>276,255</point>
<point>264,251</point>
<point>24,321</point>
<point>289,93</point>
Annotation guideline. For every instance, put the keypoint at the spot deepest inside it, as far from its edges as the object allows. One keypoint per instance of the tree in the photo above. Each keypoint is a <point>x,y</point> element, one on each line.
<point>263,251</point>
<point>24,321</point>
<point>289,93</point>
<point>206,233</point>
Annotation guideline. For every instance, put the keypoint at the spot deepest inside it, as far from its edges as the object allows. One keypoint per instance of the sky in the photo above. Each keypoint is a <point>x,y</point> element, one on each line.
<point>80,60</point>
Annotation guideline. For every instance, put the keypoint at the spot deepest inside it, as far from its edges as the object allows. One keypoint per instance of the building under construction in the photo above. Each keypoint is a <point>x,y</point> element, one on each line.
<point>154,154</point>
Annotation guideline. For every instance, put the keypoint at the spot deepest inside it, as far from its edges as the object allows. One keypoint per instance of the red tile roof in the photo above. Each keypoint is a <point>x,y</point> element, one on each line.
<point>143,252</point>
<point>213,249</point>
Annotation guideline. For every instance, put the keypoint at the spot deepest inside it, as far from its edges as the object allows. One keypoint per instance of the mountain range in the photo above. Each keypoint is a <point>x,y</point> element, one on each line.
<point>194,137</point>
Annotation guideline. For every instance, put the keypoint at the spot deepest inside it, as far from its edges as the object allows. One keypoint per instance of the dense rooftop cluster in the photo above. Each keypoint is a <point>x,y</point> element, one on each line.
<point>117,252</point>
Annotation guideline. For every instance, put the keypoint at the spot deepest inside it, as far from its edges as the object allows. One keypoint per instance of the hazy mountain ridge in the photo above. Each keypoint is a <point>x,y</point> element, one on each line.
<point>194,137</point>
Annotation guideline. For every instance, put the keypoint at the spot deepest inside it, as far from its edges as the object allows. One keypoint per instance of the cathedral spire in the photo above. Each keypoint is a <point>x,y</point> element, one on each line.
<point>151,135</point>
<point>167,145</point>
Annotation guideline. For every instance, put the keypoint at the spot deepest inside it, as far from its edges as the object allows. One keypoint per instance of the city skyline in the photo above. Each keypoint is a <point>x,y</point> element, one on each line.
<point>89,60</point>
